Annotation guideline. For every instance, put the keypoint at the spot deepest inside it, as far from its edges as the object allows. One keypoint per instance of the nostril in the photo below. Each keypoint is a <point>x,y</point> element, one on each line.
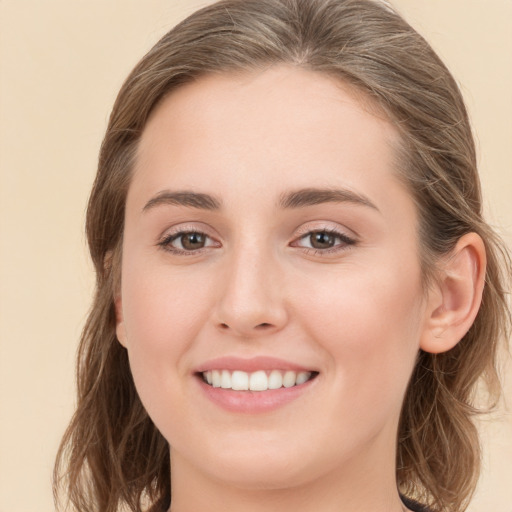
<point>246,329</point>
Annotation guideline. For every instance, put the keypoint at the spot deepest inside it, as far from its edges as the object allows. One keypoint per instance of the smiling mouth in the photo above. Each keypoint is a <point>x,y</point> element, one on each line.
<point>260,380</point>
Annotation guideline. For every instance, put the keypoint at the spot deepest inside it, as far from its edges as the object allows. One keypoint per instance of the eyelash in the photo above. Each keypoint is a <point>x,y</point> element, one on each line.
<point>346,242</point>
<point>165,243</point>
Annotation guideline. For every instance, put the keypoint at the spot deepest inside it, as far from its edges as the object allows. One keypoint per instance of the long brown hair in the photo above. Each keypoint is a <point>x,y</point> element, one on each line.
<point>112,456</point>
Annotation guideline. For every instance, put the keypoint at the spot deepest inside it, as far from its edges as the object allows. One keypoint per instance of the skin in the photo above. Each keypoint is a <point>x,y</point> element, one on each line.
<point>356,315</point>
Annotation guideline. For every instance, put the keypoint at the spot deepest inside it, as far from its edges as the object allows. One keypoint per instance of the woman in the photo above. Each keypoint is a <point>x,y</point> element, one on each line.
<point>290,310</point>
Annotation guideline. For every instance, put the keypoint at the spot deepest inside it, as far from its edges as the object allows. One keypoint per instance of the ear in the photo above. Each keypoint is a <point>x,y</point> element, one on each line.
<point>455,298</point>
<point>111,262</point>
<point>120,328</point>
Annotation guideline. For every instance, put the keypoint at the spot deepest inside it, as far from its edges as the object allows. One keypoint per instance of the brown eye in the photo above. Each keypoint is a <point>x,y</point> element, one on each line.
<point>322,240</point>
<point>187,242</point>
<point>192,241</point>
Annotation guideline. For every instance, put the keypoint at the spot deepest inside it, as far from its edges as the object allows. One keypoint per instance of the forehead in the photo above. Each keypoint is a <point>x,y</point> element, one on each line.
<point>261,131</point>
<point>283,95</point>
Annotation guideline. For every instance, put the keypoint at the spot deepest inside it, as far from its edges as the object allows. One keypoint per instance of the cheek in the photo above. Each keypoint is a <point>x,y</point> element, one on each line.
<point>369,327</point>
<point>162,309</point>
<point>162,315</point>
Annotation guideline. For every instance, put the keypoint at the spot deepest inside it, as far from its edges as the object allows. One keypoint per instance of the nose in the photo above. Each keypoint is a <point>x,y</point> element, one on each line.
<point>252,301</point>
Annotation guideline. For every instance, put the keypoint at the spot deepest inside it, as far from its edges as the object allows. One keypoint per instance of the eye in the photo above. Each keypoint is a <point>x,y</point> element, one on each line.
<point>324,241</point>
<point>186,242</point>
<point>321,240</point>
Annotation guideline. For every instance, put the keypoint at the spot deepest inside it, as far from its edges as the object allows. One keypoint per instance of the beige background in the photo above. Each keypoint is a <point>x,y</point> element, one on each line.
<point>62,62</point>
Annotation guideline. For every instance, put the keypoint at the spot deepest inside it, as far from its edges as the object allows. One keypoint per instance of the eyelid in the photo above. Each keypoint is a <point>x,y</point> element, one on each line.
<point>187,228</point>
<point>344,238</point>
<point>319,226</point>
<point>175,232</point>
<point>348,240</point>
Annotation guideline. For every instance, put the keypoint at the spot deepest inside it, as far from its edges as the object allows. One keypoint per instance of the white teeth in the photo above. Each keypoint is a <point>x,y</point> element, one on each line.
<point>258,381</point>
<point>240,381</point>
<point>225,379</point>
<point>289,379</point>
<point>302,377</point>
<point>275,379</point>
<point>216,378</point>
<point>255,381</point>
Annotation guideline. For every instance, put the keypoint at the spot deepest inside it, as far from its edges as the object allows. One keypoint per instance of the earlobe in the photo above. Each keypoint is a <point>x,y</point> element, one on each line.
<point>455,299</point>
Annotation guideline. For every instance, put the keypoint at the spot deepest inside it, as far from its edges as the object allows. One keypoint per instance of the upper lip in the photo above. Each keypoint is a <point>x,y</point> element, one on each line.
<point>250,365</point>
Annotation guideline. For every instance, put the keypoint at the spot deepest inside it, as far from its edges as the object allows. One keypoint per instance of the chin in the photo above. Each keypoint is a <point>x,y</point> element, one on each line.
<point>258,465</point>
<point>263,474</point>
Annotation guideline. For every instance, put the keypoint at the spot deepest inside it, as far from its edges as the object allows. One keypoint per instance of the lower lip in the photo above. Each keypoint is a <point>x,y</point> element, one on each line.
<point>252,402</point>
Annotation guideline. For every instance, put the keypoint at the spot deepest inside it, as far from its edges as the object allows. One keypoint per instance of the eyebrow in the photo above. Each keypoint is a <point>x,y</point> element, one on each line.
<point>289,200</point>
<point>184,198</point>
<point>313,196</point>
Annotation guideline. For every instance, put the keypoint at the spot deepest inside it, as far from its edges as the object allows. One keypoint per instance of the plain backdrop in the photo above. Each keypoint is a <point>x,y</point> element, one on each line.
<point>62,63</point>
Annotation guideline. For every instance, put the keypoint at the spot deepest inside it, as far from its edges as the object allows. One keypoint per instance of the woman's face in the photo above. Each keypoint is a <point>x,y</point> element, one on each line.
<point>269,242</point>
